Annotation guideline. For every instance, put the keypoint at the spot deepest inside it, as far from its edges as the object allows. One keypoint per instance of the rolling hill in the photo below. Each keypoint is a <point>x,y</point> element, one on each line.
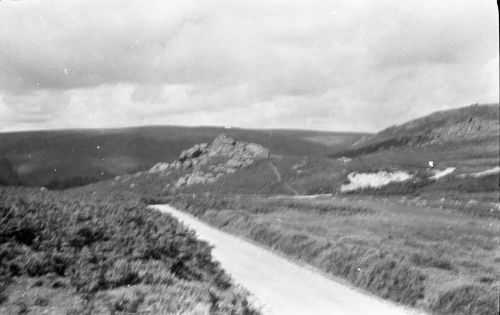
<point>8,175</point>
<point>72,157</point>
<point>473,124</point>
<point>403,241</point>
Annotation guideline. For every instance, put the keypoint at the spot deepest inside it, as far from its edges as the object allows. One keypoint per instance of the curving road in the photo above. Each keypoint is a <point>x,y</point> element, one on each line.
<point>278,285</point>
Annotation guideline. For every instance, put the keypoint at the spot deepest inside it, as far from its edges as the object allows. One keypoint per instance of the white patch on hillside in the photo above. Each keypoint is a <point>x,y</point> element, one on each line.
<point>438,174</point>
<point>373,180</point>
<point>494,170</point>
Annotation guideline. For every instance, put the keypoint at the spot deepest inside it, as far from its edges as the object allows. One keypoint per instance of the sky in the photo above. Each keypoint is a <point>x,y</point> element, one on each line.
<point>357,65</point>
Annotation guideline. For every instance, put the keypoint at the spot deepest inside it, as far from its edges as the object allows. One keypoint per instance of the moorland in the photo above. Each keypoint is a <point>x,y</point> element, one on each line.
<point>371,210</point>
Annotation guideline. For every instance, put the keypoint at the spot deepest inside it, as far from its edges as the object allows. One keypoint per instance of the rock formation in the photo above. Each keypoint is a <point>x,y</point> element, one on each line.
<point>473,122</point>
<point>206,163</point>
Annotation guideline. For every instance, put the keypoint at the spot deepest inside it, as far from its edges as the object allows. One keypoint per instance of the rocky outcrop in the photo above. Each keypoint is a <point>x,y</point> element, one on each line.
<point>193,152</point>
<point>206,163</point>
<point>471,123</point>
<point>467,123</point>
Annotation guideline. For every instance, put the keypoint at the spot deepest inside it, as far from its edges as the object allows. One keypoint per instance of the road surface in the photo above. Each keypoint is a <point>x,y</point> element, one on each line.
<point>279,285</point>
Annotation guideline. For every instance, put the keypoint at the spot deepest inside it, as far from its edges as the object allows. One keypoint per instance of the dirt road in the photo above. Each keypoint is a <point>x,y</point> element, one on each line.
<point>280,286</point>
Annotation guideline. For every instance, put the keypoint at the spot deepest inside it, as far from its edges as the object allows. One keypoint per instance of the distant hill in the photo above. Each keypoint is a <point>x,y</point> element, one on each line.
<point>8,175</point>
<point>462,144</point>
<point>472,124</point>
<point>64,157</point>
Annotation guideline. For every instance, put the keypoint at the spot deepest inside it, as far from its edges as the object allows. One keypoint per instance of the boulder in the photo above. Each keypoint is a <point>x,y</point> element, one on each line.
<point>234,163</point>
<point>181,182</point>
<point>193,152</point>
<point>196,179</point>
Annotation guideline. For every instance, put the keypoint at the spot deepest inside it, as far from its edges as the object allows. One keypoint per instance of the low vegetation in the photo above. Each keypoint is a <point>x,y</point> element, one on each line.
<point>468,299</point>
<point>431,244</point>
<point>61,184</point>
<point>257,178</point>
<point>92,253</point>
<point>421,259</point>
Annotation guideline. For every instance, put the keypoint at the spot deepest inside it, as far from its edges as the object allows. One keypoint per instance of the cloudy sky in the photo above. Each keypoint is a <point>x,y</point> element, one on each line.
<point>357,65</point>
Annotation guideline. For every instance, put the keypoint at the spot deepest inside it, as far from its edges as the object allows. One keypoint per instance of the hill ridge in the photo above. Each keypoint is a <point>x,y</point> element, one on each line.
<point>470,123</point>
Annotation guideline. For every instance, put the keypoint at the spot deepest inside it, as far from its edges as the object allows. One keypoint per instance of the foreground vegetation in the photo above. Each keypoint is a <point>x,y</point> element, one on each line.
<point>85,252</point>
<point>443,262</point>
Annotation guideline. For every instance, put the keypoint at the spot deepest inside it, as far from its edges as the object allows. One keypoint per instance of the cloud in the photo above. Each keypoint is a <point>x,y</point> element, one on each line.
<point>272,63</point>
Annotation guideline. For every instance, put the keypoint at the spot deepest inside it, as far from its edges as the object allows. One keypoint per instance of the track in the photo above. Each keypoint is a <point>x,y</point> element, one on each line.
<point>280,286</point>
<point>278,177</point>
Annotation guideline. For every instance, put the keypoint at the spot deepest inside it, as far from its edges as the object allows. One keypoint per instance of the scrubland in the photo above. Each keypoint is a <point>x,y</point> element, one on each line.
<point>429,244</point>
<point>442,261</point>
<point>104,252</point>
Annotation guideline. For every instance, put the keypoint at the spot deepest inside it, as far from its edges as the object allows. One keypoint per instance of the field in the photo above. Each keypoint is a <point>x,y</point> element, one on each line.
<point>442,261</point>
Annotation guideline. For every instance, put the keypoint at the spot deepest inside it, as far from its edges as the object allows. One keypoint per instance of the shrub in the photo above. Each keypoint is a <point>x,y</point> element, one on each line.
<point>129,302</point>
<point>38,264</point>
<point>41,301</point>
<point>93,241</point>
<point>3,296</point>
<point>22,308</point>
<point>468,299</point>
<point>392,279</point>
<point>378,272</point>
<point>487,183</point>
<point>87,278</point>
<point>435,261</point>
<point>121,273</point>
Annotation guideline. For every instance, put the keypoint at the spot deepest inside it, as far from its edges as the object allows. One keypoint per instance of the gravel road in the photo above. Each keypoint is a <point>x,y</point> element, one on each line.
<point>279,285</point>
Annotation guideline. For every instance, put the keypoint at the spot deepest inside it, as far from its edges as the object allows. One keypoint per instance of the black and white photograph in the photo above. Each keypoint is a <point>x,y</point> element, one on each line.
<point>251,157</point>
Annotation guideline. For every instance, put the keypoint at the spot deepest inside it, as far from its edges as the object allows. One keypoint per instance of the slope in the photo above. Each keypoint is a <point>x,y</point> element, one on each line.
<point>476,124</point>
<point>95,154</point>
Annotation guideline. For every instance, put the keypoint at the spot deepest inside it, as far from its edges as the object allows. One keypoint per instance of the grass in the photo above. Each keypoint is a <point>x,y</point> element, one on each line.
<point>258,178</point>
<point>418,256</point>
<point>468,299</point>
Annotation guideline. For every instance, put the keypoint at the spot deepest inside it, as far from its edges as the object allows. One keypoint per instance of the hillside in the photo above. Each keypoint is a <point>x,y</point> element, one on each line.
<point>225,166</point>
<point>462,143</point>
<point>8,175</point>
<point>472,124</point>
<point>70,157</point>
<point>392,225</point>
